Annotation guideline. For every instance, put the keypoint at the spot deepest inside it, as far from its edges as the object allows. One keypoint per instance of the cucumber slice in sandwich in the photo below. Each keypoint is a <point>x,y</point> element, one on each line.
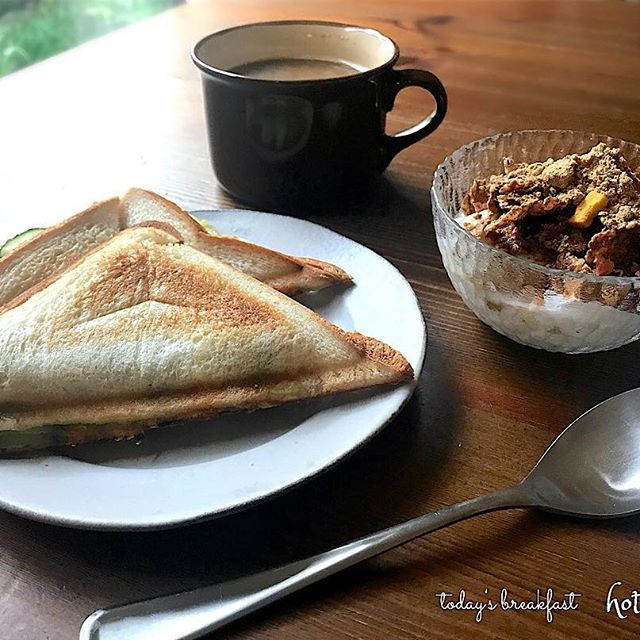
<point>17,240</point>
<point>207,226</point>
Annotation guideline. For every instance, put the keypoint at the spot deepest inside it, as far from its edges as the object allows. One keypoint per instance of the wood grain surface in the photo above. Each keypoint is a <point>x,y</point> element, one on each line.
<point>126,110</point>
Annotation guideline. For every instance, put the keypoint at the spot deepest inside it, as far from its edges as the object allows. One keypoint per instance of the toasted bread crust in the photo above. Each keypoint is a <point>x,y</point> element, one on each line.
<point>330,270</point>
<point>296,275</point>
<point>301,274</point>
<point>39,257</point>
<point>50,279</point>
<point>163,226</point>
<point>190,227</point>
<point>382,353</point>
<point>47,234</point>
<point>24,254</point>
<point>130,417</point>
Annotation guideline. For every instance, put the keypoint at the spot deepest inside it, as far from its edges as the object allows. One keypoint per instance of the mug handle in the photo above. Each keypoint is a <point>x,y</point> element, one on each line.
<point>393,83</point>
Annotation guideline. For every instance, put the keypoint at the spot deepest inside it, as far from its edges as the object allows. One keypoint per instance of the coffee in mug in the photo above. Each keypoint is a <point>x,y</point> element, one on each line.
<point>294,69</point>
<point>296,110</point>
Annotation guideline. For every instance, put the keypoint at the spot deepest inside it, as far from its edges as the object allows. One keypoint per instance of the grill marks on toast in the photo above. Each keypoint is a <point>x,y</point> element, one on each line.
<point>147,272</point>
<point>202,289</point>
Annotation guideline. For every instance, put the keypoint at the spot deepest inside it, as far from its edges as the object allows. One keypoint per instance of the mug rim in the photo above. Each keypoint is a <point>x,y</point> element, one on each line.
<point>211,70</point>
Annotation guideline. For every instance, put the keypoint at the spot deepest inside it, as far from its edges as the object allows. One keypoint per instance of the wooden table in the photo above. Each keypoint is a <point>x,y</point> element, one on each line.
<point>126,110</point>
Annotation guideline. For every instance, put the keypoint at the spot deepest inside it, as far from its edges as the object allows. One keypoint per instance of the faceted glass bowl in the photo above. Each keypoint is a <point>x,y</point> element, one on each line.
<point>545,308</point>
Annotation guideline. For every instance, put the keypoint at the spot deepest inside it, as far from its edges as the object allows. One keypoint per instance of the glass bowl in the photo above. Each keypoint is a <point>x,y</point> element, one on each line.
<point>537,306</point>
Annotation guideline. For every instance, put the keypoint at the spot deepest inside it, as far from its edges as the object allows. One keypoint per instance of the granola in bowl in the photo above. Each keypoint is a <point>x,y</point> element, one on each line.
<point>579,212</point>
<point>525,244</point>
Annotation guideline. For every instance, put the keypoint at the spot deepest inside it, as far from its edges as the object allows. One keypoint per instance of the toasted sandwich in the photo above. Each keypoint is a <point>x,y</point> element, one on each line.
<point>148,330</point>
<point>53,250</point>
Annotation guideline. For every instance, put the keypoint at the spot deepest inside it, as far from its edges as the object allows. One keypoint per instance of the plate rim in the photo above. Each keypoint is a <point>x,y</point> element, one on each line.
<point>174,523</point>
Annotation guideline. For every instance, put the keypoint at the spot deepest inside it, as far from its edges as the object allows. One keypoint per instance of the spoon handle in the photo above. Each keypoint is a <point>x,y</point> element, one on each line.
<point>191,614</point>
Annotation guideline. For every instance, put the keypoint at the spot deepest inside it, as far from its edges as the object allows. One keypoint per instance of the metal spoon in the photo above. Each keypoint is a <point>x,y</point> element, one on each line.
<point>591,470</point>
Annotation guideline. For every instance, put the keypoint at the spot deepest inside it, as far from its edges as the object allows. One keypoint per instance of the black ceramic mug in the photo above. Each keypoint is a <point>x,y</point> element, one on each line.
<point>284,130</point>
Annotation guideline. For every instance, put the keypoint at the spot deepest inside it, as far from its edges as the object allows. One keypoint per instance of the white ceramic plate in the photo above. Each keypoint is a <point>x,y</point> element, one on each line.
<point>197,471</point>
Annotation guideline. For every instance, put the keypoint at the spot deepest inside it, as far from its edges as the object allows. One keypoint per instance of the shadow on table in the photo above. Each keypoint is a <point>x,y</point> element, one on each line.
<point>578,382</point>
<point>408,572</point>
<point>375,198</point>
<point>391,217</point>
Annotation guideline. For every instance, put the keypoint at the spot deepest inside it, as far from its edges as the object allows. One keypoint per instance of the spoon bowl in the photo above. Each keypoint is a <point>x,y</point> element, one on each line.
<point>592,469</point>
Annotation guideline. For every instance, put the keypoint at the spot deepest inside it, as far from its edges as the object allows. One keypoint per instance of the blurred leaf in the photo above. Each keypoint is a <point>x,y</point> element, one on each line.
<point>31,30</point>
<point>101,12</point>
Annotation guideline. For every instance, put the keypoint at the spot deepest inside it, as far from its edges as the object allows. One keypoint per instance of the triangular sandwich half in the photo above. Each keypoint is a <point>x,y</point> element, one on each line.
<point>54,249</point>
<point>147,330</point>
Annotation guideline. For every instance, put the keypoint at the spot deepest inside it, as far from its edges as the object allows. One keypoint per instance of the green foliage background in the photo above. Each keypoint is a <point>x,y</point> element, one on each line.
<point>31,30</point>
